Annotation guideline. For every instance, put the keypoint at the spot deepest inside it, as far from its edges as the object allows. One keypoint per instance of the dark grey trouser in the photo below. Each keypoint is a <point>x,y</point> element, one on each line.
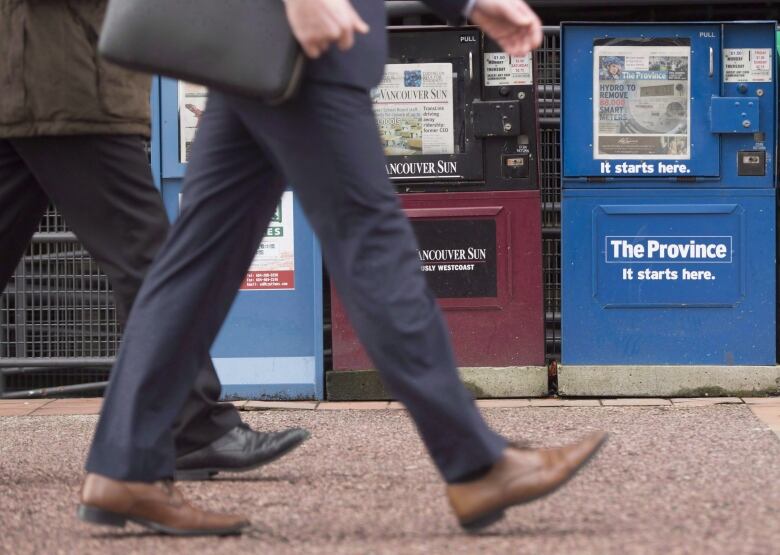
<point>102,184</point>
<point>326,144</point>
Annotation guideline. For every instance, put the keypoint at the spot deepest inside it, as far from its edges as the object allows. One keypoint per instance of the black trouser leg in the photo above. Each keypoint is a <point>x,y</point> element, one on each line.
<point>371,253</point>
<point>229,195</point>
<point>22,203</point>
<point>230,192</point>
<point>103,186</point>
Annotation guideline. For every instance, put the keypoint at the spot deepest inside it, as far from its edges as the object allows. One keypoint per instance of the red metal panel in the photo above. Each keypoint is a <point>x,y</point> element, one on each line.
<point>502,330</point>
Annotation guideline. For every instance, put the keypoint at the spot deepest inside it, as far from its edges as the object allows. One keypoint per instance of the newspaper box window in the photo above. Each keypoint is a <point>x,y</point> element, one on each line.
<point>414,109</point>
<point>643,108</point>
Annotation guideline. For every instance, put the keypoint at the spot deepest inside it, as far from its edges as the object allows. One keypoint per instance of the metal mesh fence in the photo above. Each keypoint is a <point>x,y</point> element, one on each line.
<point>52,222</point>
<point>58,322</point>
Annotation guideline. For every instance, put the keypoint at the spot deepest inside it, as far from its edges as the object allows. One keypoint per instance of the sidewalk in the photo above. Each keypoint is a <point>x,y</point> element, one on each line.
<point>677,476</point>
<point>766,409</point>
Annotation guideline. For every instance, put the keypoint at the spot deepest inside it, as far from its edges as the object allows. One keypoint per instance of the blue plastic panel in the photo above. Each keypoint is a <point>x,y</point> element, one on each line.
<point>752,36</point>
<point>712,155</point>
<point>271,344</point>
<point>169,129</point>
<point>734,115</point>
<point>669,255</point>
<point>668,277</point>
<point>155,142</point>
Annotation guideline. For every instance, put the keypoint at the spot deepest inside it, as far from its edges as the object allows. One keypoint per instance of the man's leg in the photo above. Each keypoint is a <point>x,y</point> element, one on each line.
<point>371,253</point>
<point>229,195</point>
<point>22,203</point>
<point>103,186</point>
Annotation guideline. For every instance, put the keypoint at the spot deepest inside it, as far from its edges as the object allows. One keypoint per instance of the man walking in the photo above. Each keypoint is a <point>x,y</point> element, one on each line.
<point>326,144</point>
<point>71,131</point>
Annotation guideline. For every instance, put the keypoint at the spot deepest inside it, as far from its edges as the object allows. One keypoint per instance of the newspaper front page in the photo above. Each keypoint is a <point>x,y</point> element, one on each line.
<point>192,102</point>
<point>414,109</point>
<point>641,105</point>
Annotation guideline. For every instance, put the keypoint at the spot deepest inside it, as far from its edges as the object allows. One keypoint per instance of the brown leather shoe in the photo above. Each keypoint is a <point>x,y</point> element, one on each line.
<point>520,475</point>
<point>159,506</point>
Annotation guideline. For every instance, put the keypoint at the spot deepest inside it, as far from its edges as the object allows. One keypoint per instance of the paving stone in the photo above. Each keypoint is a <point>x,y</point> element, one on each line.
<point>59,407</point>
<point>640,402</point>
<point>769,415</point>
<point>20,407</point>
<point>705,401</point>
<point>14,411</point>
<point>761,400</point>
<point>25,402</point>
<point>564,403</point>
<point>284,405</point>
<point>356,405</point>
<point>503,403</point>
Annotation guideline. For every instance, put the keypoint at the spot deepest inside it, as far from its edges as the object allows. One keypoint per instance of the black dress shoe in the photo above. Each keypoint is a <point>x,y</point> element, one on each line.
<point>239,450</point>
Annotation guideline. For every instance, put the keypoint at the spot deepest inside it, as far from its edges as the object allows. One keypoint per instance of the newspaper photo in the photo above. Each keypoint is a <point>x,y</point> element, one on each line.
<point>192,102</point>
<point>414,109</point>
<point>641,106</point>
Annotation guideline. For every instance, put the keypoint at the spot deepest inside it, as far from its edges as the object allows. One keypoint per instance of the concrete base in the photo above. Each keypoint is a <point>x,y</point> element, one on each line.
<point>484,383</point>
<point>668,381</point>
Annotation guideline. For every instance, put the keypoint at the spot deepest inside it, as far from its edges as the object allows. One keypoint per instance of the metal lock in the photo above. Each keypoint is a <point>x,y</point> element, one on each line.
<point>496,118</point>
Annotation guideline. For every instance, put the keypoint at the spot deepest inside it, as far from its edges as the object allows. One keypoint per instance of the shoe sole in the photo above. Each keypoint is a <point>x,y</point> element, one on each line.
<point>201,474</point>
<point>492,517</point>
<point>93,515</point>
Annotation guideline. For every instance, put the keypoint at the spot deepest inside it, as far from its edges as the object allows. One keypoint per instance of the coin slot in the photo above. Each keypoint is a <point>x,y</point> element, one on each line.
<point>751,163</point>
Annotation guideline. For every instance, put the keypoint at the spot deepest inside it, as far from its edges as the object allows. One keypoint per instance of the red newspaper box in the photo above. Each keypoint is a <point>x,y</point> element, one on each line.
<point>458,119</point>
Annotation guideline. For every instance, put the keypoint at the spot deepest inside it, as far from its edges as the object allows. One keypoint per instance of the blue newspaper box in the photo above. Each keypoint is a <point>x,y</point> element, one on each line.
<point>271,344</point>
<point>668,153</point>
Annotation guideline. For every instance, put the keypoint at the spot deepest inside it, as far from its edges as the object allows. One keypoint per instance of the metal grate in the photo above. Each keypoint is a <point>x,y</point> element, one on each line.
<point>548,77</point>
<point>548,81</point>
<point>551,263</point>
<point>52,222</point>
<point>550,177</point>
<point>58,322</point>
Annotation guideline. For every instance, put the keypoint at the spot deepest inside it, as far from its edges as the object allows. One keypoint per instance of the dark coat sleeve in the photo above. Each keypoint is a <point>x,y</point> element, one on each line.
<point>451,10</point>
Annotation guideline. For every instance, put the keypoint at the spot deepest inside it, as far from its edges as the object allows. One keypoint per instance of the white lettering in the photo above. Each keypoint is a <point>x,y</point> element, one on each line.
<point>716,249</point>
<point>441,167</point>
